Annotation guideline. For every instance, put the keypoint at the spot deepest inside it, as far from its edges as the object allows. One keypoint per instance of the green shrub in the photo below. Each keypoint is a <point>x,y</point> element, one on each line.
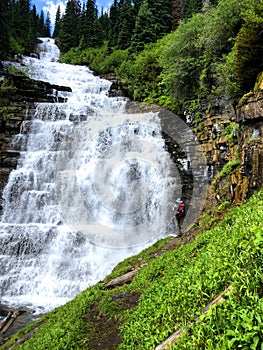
<point>15,46</point>
<point>248,48</point>
<point>141,74</point>
<point>115,60</point>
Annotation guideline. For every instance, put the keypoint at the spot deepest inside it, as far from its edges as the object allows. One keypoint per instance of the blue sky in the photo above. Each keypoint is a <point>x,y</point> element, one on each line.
<point>52,5</point>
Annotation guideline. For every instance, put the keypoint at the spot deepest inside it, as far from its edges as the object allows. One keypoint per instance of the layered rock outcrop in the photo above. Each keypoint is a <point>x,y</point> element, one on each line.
<point>18,96</point>
<point>231,139</point>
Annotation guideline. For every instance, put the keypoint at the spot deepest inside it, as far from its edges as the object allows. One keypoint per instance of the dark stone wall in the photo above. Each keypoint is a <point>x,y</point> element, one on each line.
<point>231,139</point>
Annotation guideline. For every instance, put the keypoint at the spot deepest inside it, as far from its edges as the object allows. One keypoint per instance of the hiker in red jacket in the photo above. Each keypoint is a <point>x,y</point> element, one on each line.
<point>180,214</point>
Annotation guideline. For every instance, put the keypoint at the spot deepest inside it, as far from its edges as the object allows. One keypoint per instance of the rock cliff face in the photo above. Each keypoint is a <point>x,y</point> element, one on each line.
<point>232,142</point>
<point>18,95</point>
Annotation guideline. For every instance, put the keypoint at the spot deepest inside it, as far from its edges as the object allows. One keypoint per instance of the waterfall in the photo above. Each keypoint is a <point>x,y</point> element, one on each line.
<point>93,186</point>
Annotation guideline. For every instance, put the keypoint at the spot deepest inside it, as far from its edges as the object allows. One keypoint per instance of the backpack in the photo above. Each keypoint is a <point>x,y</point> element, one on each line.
<point>181,210</point>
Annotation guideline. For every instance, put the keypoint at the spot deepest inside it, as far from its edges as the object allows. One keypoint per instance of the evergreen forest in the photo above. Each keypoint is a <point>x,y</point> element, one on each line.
<point>173,53</point>
<point>20,26</point>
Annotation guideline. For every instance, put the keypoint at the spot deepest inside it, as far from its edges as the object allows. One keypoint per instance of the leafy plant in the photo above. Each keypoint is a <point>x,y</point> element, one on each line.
<point>17,70</point>
<point>228,168</point>
<point>195,274</point>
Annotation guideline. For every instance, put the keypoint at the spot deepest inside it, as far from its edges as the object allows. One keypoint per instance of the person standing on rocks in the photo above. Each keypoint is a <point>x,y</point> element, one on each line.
<point>180,214</point>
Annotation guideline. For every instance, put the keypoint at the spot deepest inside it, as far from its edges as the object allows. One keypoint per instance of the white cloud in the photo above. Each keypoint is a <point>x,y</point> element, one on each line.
<point>52,8</point>
<point>105,4</point>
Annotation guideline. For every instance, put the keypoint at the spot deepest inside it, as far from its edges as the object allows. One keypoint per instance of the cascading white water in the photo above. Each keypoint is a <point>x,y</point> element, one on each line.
<point>93,186</point>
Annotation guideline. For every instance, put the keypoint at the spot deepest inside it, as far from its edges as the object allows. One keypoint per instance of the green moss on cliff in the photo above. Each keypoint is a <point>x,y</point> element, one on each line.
<point>7,86</point>
<point>7,112</point>
<point>227,169</point>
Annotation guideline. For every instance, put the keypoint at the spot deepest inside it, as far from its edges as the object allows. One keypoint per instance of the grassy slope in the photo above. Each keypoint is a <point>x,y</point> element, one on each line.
<point>170,291</point>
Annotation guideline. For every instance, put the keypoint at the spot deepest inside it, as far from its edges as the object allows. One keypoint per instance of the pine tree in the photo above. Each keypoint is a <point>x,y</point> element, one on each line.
<point>32,31</point>
<point>162,16</point>
<point>4,28</point>
<point>57,23</point>
<point>35,20</point>
<point>20,26</point>
<point>87,31</point>
<point>69,26</point>
<point>126,25</point>
<point>105,24</point>
<point>136,6</point>
<point>98,37</point>
<point>21,32</point>
<point>41,24</point>
<point>144,31</point>
<point>19,20</point>
<point>114,24</point>
<point>48,26</point>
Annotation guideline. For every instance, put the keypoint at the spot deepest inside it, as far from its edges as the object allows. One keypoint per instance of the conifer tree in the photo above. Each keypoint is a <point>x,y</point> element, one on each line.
<point>144,31</point>
<point>21,32</point>
<point>4,28</point>
<point>19,27</point>
<point>105,24</point>
<point>136,6</point>
<point>114,24</point>
<point>69,26</point>
<point>22,18</point>
<point>41,25</point>
<point>126,25</point>
<point>31,36</point>
<point>19,20</point>
<point>87,31</point>
<point>48,26</point>
<point>162,16</point>
<point>35,20</point>
<point>57,23</point>
<point>98,37</point>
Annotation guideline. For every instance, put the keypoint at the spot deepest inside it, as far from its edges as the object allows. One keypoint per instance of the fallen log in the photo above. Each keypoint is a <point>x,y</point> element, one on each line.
<point>173,338</point>
<point>5,320</point>
<point>9,319</point>
<point>27,336</point>
<point>169,341</point>
<point>127,277</point>
<point>118,281</point>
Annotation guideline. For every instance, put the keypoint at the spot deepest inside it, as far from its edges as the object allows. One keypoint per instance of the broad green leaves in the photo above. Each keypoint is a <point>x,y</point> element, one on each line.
<point>183,282</point>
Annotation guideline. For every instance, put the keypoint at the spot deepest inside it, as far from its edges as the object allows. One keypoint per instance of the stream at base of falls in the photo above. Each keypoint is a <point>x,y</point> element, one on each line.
<point>93,186</point>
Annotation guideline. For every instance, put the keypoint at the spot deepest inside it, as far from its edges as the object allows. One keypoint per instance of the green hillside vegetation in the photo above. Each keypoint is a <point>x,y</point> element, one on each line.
<point>216,52</point>
<point>214,49</point>
<point>170,292</point>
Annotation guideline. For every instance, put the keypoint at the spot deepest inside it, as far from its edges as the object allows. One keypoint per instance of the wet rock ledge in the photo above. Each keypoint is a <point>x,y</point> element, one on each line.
<point>12,320</point>
<point>18,97</point>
